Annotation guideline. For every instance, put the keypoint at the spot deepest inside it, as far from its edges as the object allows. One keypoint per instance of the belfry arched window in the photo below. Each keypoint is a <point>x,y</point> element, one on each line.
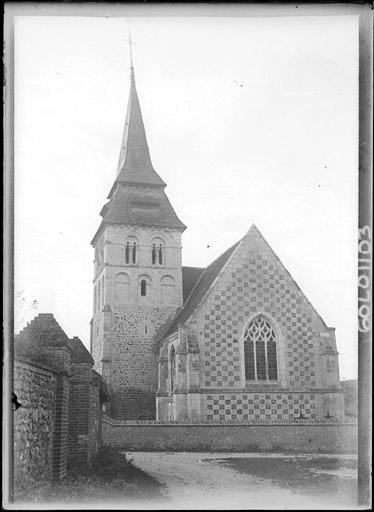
<point>158,247</point>
<point>260,350</point>
<point>134,252</point>
<point>153,254</point>
<point>131,250</point>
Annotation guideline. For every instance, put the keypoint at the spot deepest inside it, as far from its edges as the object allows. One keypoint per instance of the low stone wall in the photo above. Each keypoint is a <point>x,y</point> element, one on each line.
<point>322,437</point>
<point>35,388</point>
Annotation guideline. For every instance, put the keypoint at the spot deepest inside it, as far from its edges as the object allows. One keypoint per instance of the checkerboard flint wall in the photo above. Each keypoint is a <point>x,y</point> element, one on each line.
<point>254,281</point>
<point>260,406</point>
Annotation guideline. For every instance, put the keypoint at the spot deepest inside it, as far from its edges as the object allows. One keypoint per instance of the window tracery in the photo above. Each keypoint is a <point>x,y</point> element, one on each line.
<point>260,350</point>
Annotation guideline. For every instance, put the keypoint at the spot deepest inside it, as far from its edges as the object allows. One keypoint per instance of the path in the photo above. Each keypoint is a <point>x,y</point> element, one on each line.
<point>204,481</point>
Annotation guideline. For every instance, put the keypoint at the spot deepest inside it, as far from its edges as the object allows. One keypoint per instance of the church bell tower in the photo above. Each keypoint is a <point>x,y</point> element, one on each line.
<point>137,274</point>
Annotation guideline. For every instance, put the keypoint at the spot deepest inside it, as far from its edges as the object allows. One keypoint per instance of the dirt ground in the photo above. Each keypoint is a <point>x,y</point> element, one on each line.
<point>175,480</point>
<point>252,481</point>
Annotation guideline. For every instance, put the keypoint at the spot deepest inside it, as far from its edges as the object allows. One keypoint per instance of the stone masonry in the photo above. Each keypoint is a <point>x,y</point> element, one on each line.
<point>57,424</point>
<point>252,282</point>
<point>125,322</point>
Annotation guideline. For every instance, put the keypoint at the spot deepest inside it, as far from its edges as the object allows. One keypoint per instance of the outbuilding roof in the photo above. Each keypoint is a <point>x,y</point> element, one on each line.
<point>79,353</point>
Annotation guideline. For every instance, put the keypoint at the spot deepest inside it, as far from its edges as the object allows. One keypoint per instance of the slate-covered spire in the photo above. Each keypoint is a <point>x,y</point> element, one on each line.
<point>137,197</point>
<point>135,165</point>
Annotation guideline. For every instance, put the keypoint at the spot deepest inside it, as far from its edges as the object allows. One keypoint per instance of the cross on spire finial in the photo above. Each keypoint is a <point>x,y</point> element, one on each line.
<point>130,46</point>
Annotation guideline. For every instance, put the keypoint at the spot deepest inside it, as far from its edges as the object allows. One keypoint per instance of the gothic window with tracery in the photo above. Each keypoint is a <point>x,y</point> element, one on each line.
<point>260,350</point>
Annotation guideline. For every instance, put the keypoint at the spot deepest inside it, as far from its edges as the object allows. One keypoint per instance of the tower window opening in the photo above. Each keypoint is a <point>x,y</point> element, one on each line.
<point>160,254</point>
<point>143,287</point>
<point>154,254</point>
<point>134,253</point>
<point>127,253</point>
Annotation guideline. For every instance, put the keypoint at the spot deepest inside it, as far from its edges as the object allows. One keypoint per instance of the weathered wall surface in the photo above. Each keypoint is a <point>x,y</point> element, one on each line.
<point>94,420</point>
<point>35,387</point>
<point>133,370</point>
<point>84,412</point>
<point>288,437</point>
<point>58,421</point>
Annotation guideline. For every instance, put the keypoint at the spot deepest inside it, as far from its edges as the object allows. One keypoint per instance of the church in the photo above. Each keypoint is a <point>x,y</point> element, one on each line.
<point>236,341</point>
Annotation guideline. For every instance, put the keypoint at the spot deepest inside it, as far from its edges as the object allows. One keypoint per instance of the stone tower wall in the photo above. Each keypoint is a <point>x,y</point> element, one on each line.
<point>124,321</point>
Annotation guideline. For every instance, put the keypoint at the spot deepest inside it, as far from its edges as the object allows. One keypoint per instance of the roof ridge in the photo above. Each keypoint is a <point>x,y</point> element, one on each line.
<point>225,256</point>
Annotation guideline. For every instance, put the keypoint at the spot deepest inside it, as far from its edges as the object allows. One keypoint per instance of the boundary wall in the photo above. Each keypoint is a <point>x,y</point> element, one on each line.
<point>57,421</point>
<point>296,437</point>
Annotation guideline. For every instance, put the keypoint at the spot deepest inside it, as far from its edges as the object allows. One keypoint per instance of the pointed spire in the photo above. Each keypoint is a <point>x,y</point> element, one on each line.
<point>145,204</point>
<point>130,48</point>
<point>135,165</point>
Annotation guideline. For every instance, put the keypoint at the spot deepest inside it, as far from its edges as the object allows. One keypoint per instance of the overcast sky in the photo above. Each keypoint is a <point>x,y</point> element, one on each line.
<point>247,119</point>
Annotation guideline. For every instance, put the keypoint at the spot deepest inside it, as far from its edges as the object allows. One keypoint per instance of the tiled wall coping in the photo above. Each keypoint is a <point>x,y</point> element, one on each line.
<point>298,422</point>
